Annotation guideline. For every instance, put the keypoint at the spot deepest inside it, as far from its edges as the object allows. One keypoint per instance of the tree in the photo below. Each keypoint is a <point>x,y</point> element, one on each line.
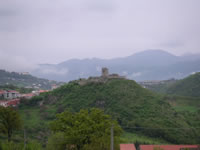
<point>87,129</point>
<point>158,148</point>
<point>32,145</point>
<point>9,121</point>
<point>57,141</point>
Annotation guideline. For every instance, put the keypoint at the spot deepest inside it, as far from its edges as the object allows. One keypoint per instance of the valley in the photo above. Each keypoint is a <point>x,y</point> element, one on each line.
<point>156,118</point>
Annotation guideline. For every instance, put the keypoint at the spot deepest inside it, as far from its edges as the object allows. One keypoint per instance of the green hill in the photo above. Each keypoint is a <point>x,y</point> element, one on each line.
<point>183,103</point>
<point>16,88</point>
<point>189,86</point>
<point>183,95</point>
<point>160,86</point>
<point>137,110</point>
<point>24,80</point>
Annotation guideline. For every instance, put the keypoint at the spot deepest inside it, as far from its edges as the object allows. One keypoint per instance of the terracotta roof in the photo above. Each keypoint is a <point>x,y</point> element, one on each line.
<point>166,147</point>
<point>13,102</point>
<point>1,102</point>
<point>43,91</point>
<point>127,147</point>
<point>2,92</point>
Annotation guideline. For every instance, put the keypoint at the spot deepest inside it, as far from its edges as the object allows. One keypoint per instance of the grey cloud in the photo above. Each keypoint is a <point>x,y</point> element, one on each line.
<point>15,63</point>
<point>55,71</point>
<point>7,13</point>
<point>104,6</point>
<point>172,44</point>
<point>52,31</point>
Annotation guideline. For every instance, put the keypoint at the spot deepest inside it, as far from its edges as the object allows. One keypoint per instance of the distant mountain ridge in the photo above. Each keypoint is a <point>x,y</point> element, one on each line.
<point>146,65</point>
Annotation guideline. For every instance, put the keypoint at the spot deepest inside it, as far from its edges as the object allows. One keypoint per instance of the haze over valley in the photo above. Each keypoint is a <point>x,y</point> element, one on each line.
<point>100,75</point>
<point>145,65</point>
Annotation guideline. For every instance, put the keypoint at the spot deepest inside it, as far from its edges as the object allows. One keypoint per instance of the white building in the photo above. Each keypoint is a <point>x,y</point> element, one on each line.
<point>11,94</point>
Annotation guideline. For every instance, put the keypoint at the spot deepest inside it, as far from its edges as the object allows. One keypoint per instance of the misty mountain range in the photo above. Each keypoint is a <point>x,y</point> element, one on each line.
<point>146,65</point>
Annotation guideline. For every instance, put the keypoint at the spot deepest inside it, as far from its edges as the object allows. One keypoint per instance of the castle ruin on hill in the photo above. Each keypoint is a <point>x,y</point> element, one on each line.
<point>105,74</point>
<point>103,78</point>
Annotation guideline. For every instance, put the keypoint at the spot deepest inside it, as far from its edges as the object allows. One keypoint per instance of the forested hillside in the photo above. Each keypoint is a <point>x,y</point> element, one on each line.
<point>137,110</point>
<point>24,80</point>
<point>189,86</point>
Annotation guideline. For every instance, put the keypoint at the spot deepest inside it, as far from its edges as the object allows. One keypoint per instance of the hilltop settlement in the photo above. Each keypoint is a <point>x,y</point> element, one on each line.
<point>12,97</point>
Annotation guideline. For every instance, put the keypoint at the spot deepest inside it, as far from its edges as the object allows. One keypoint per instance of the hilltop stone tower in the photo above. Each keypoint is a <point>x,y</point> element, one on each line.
<point>105,72</point>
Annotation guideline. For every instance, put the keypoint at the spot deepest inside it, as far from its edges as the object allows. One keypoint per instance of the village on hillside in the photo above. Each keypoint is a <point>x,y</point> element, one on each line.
<point>13,97</point>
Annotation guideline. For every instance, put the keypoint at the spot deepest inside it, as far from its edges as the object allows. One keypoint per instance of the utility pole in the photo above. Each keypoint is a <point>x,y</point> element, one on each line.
<point>112,139</point>
<point>24,139</point>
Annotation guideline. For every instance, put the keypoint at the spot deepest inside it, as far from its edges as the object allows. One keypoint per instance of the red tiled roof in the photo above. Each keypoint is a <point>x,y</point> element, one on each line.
<point>42,91</point>
<point>127,147</point>
<point>166,147</point>
<point>13,102</point>
<point>2,92</point>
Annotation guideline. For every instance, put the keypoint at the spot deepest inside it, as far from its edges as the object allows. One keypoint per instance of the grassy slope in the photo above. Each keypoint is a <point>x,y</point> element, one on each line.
<point>162,87</point>
<point>128,137</point>
<point>185,93</point>
<point>183,103</point>
<point>189,86</point>
<point>129,103</point>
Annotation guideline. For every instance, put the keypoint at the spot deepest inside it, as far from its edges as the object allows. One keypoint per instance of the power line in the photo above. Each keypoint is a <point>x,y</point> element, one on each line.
<point>112,139</point>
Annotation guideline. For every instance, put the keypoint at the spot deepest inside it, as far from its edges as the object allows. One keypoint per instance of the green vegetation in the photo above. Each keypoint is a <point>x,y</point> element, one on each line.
<point>183,95</point>
<point>183,103</point>
<point>161,87</point>
<point>16,88</point>
<point>136,109</point>
<point>11,126</point>
<point>9,121</point>
<point>157,148</point>
<point>128,137</point>
<point>20,80</point>
<point>20,146</point>
<point>85,130</point>
<point>189,86</point>
<point>146,117</point>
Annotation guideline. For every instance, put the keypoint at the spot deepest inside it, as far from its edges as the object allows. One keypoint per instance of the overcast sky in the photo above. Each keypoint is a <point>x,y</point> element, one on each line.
<point>51,31</point>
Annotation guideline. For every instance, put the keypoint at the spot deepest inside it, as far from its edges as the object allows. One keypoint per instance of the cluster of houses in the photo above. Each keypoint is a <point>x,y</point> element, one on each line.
<point>159,147</point>
<point>146,84</point>
<point>9,98</point>
<point>12,98</point>
<point>9,94</point>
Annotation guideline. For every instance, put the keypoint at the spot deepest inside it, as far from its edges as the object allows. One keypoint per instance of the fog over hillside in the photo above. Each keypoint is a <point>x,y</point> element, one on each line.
<point>146,65</point>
